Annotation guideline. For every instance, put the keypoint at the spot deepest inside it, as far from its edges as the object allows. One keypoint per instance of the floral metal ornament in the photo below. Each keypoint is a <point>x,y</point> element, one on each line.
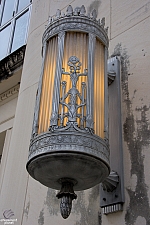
<point>73,95</point>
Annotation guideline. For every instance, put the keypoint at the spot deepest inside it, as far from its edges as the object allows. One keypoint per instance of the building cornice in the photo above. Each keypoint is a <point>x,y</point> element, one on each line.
<point>10,63</point>
<point>7,94</point>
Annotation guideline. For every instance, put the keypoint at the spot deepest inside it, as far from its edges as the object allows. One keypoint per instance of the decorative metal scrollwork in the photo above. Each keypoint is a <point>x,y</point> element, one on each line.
<point>111,182</point>
<point>73,95</point>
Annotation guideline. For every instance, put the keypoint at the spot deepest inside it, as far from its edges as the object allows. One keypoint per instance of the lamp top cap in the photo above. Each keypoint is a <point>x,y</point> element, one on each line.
<point>76,20</point>
<point>78,12</point>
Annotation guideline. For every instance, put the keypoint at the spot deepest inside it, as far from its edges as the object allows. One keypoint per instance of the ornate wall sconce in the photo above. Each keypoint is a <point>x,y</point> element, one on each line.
<point>69,145</point>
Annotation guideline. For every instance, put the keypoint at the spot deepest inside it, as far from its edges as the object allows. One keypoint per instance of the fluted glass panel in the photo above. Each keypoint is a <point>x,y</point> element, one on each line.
<point>48,85</point>
<point>99,89</point>
<point>76,44</point>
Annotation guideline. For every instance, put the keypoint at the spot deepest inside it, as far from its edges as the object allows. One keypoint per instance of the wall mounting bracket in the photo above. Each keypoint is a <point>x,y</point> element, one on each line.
<point>112,189</point>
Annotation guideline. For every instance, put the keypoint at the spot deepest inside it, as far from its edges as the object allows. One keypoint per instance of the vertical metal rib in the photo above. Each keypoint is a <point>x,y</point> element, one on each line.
<point>82,114</point>
<point>38,97</point>
<point>62,107</point>
<point>106,97</point>
<point>55,103</point>
<point>90,87</point>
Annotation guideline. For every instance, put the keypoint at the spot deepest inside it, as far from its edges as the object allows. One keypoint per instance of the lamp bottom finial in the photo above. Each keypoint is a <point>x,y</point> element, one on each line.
<point>67,195</point>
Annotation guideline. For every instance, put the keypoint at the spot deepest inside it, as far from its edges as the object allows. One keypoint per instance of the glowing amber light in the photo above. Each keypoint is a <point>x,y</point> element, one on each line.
<point>75,44</point>
<point>99,90</point>
<point>48,85</point>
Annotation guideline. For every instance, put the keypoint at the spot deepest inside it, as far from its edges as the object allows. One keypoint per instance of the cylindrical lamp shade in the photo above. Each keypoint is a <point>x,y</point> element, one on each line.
<point>76,43</point>
<point>69,145</point>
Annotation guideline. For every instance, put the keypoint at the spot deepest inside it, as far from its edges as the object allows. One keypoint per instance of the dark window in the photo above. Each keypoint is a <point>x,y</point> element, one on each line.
<point>8,9</point>
<point>4,40</point>
<point>14,21</point>
<point>20,31</point>
<point>2,140</point>
<point>23,4</point>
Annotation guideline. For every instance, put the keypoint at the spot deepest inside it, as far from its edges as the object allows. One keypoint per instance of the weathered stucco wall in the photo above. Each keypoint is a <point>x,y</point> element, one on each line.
<point>129,33</point>
<point>130,36</point>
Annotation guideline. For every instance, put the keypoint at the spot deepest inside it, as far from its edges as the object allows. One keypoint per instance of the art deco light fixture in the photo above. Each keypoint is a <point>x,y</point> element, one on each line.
<point>71,151</point>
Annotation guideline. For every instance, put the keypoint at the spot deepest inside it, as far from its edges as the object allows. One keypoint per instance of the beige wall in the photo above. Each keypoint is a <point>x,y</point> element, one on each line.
<point>130,36</point>
<point>32,203</point>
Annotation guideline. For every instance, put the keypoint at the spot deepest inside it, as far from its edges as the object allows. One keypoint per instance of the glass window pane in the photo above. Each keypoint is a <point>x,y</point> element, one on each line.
<point>23,4</point>
<point>4,39</point>
<point>8,11</point>
<point>2,141</point>
<point>20,31</point>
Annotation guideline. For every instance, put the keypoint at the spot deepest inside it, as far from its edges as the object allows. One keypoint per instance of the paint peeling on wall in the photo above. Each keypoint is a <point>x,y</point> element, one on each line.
<point>52,202</point>
<point>99,219</point>
<point>86,207</point>
<point>94,5</point>
<point>26,210</point>
<point>137,136</point>
<point>89,214</point>
<point>41,218</point>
